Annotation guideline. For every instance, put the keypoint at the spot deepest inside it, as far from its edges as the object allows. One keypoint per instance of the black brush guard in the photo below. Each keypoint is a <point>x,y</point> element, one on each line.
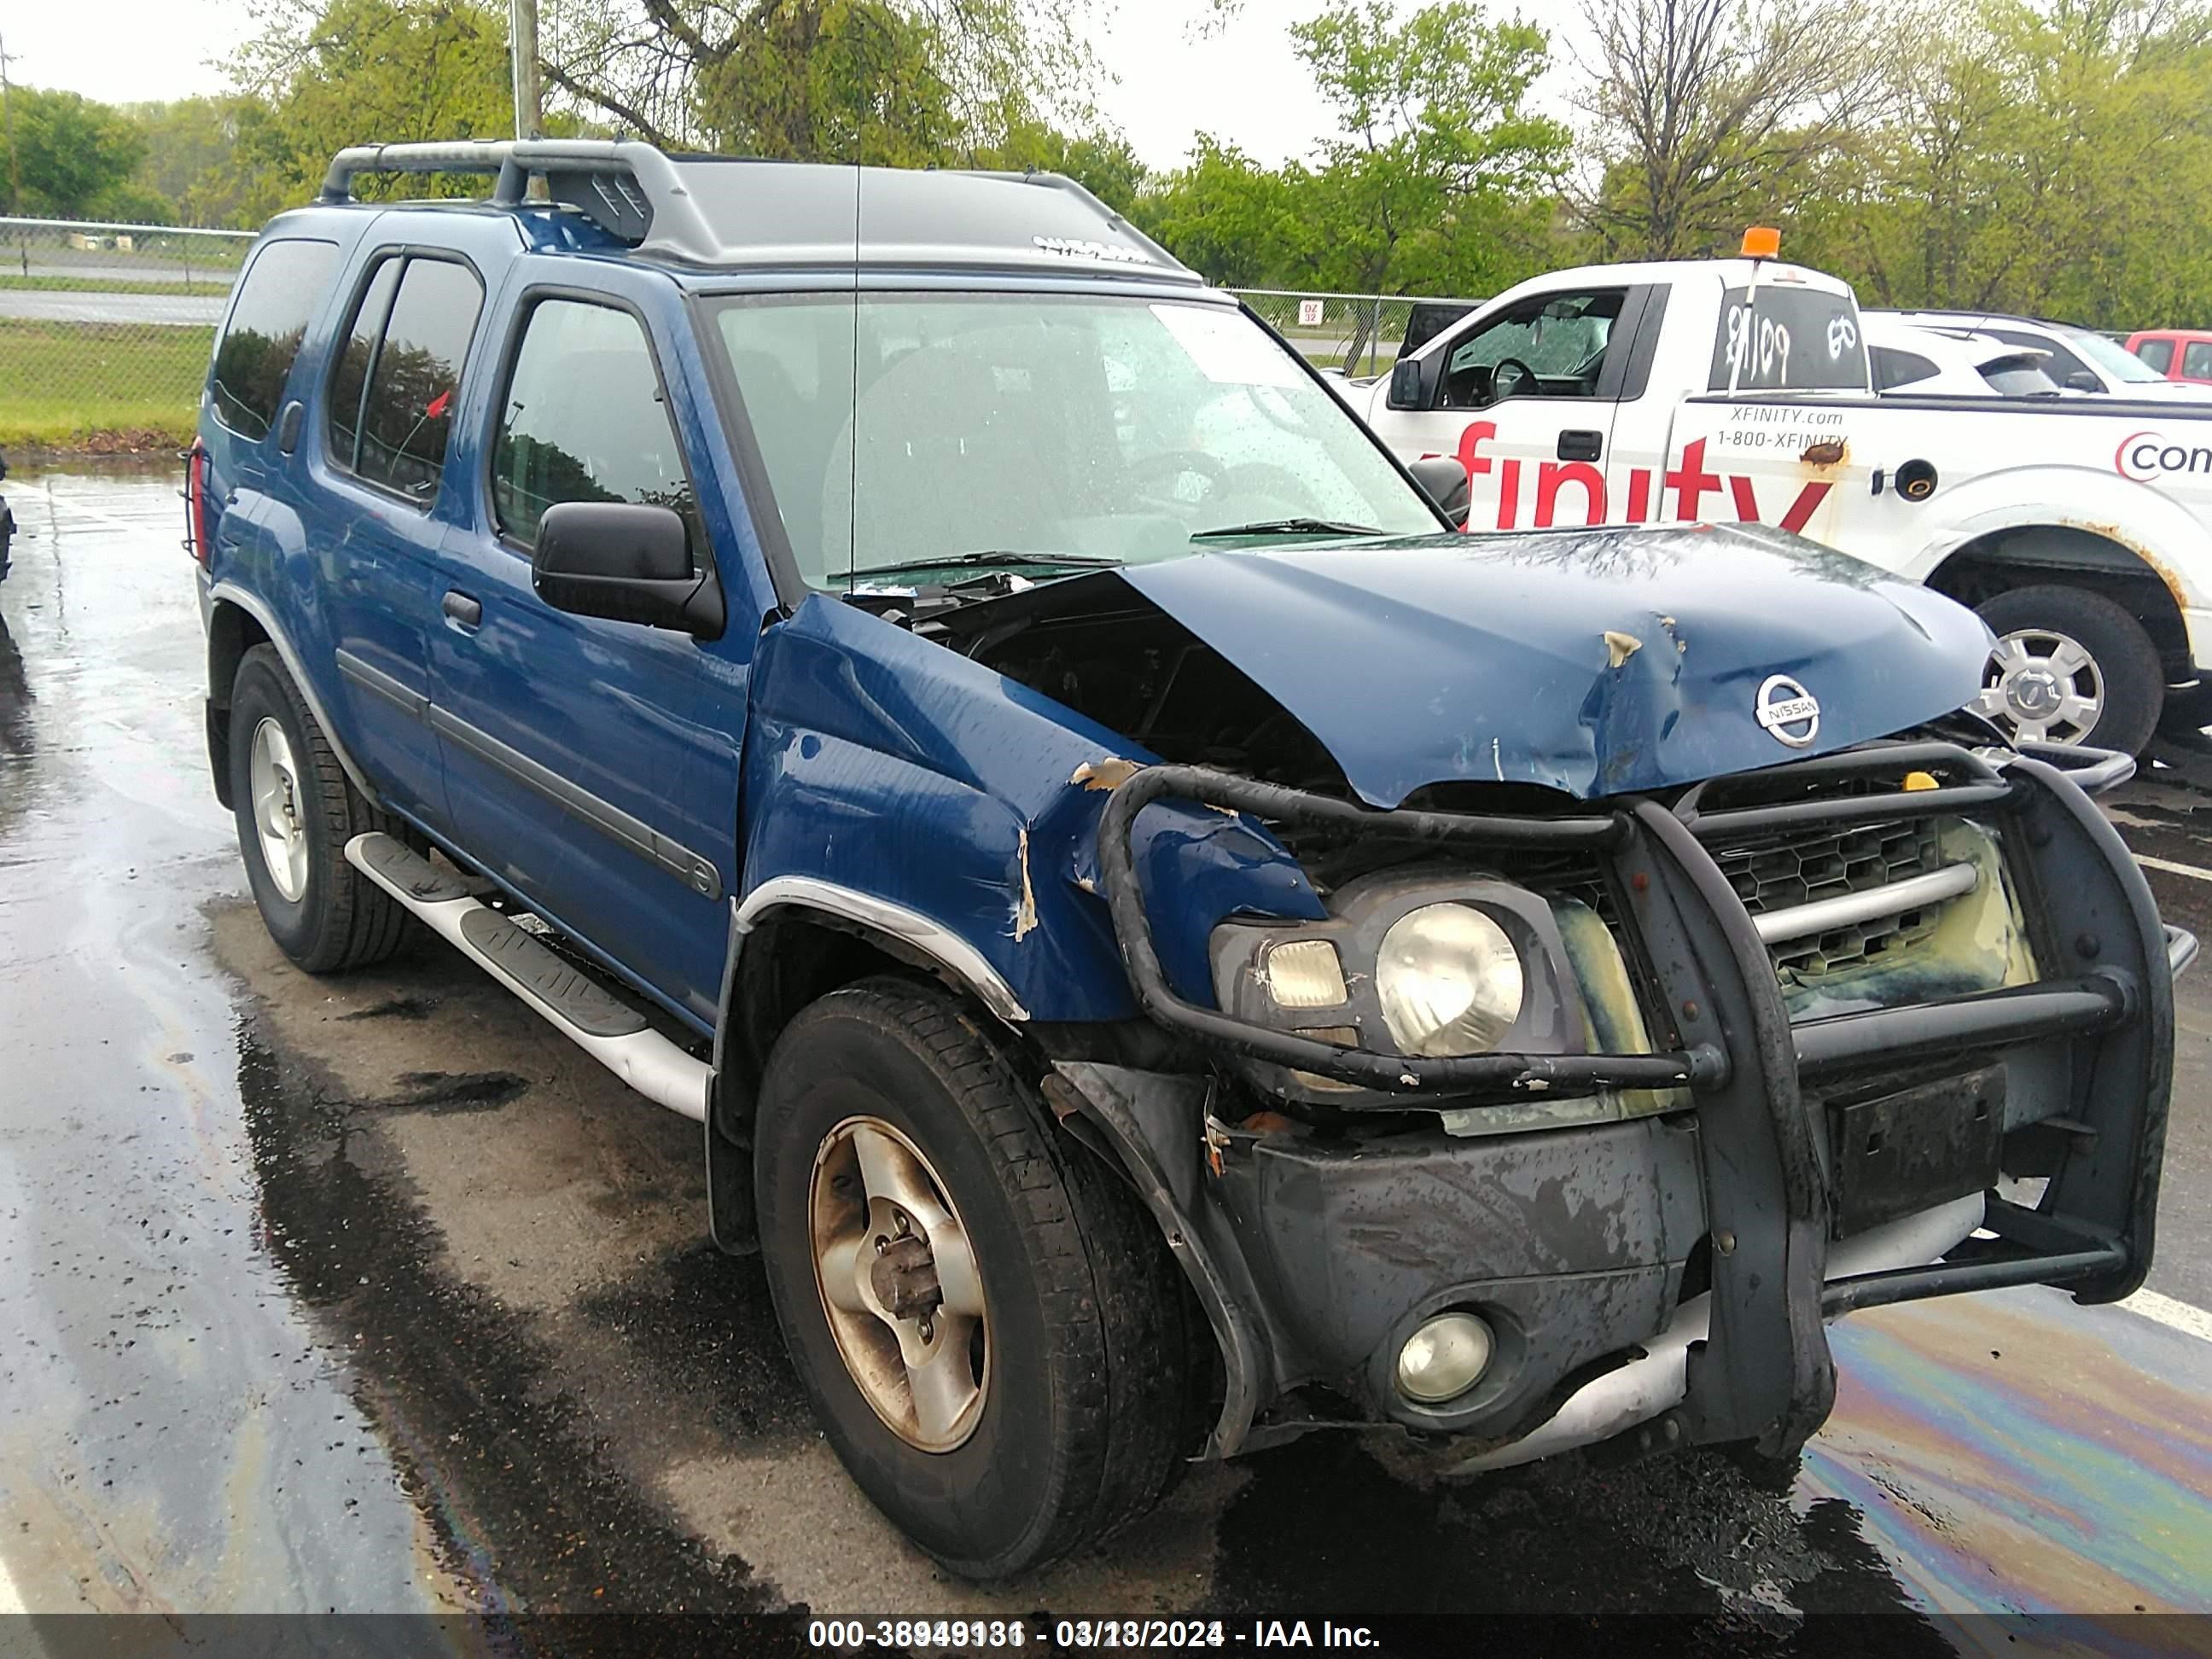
<point>1766,1375</point>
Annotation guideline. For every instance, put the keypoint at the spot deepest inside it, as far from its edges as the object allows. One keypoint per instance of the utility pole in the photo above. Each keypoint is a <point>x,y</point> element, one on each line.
<point>522,49</point>
<point>8,119</point>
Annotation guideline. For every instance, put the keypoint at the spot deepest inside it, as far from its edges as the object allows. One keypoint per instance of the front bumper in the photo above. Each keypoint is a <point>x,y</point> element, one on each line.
<point>1314,1263</point>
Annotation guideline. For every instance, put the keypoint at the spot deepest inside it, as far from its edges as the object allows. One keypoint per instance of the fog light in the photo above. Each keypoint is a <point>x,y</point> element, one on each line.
<point>1304,972</point>
<point>1444,1359</point>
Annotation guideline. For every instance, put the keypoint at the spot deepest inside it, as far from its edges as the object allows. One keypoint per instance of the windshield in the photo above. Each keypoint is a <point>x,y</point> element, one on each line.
<point>899,429</point>
<point>2112,358</point>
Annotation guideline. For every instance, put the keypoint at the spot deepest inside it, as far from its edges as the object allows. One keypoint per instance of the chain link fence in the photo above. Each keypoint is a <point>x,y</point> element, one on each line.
<point>106,329</point>
<point>1354,334</point>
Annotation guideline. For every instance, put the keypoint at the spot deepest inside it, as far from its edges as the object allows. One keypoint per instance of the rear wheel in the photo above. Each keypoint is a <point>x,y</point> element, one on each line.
<point>296,810</point>
<point>2071,667</point>
<point>990,1329</point>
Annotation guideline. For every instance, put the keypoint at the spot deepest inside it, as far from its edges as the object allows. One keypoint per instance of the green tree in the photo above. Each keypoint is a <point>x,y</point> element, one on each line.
<point>362,71</point>
<point>1101,161</point>
<point>1236,220</point>
<point>71,150</point>
<point>1434,137</point>
<point>901,82</point>
<point>190,158</point>
<point>1439,180</point>
<point>1709,115</point>
<point>2053,159</point>
<point>856,80</point>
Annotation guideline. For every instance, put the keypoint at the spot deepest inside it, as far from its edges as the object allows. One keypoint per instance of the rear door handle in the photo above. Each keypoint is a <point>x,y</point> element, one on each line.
<point>462,609</point>
<point>1579,444</point>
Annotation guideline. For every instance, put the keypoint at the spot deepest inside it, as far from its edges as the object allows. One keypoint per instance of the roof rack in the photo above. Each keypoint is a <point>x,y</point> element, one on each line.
<point>722,211</point>
<point>629,190</point>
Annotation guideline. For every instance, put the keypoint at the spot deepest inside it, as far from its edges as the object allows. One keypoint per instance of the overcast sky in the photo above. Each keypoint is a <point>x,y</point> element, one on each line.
<point>1241,82</point>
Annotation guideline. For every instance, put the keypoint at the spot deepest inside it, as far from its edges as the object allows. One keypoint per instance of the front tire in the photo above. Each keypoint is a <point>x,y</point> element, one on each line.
<point>296,810</point>
<point>2071,667</point>
<point>1045,1406</point>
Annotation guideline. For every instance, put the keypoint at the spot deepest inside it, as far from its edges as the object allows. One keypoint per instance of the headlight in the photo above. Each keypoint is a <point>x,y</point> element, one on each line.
<point>1449,980</point>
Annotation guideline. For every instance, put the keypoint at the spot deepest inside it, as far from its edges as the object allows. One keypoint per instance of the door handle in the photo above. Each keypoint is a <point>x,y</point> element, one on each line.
<point>462,609</point>
<point>1577,444</point>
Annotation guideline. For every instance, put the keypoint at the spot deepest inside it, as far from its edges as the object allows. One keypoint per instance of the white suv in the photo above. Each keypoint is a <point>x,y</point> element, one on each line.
<point>2081,359</point>
<point>1909,357</point>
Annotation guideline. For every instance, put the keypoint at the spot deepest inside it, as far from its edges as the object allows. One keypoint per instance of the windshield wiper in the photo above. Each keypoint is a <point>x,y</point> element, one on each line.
<point>996,556</point>
<point>1289,527</point>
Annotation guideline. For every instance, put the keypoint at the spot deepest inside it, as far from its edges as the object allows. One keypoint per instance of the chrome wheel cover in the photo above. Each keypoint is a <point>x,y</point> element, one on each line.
<point>274,780</point>
<point>2042,684</point>
<point>899,1284</point>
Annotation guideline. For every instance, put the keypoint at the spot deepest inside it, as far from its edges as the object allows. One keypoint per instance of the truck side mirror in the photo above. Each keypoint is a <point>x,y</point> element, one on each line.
<point>627,562</point>
<point>1410,382</point>
<point>2083,380</point>
<point>1442,479</point>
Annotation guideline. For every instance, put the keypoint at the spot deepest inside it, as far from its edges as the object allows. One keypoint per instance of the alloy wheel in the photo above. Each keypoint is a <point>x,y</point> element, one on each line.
<point>2042,684</point>
<point>899,1284</point>
<point>275,780</point>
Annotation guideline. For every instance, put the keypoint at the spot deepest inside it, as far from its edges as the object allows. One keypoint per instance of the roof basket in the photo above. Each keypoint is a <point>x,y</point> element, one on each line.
<point>629,190</point>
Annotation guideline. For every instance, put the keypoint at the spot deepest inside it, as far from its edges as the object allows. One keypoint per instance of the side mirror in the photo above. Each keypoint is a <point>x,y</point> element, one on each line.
<point>1410,382</point>
<point>2083,380</point>
<point>628,562</point>
<point>1442,479</point>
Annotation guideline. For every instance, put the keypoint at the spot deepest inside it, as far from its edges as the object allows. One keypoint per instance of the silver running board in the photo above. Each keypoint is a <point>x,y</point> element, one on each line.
<point>569,999</point>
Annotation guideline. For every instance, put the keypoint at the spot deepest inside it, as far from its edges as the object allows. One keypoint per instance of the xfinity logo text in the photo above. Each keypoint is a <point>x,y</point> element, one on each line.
<point>2145,456</point>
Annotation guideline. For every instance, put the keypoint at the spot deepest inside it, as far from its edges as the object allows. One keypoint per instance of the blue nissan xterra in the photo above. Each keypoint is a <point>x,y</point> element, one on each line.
<point>1172,945</point>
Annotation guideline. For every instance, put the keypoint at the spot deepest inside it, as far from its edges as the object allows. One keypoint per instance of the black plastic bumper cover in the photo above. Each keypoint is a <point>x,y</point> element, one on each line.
<point>1765,1374</point>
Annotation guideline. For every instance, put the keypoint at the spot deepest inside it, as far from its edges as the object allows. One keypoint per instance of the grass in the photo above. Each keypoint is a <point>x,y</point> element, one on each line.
<point>99,386</point>
<point>54,283</point>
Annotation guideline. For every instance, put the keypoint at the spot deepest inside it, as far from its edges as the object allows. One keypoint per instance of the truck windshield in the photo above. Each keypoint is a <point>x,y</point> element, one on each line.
<point>897,430</point>
<point>1790,338</point>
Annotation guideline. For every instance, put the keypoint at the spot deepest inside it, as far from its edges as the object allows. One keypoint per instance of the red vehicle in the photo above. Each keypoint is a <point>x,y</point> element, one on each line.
<point>2180,354</point>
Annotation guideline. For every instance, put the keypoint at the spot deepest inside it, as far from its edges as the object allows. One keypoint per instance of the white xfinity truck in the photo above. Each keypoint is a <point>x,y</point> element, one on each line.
<point>1737,391</point>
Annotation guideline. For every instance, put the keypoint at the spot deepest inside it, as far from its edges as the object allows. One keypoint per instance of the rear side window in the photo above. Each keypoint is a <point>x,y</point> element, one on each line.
<point>281,290</point>
<point>2019,377</point>
<point>583,421</point>
<point>2196,360</point>
<point>1893,369</point>
<point>1789,339</point>
<point>350,376</point>
<point>2159,354</point>
<point>402,361</point>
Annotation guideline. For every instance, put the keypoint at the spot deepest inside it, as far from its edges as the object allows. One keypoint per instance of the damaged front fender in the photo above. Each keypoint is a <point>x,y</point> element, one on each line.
<point>884,764</point>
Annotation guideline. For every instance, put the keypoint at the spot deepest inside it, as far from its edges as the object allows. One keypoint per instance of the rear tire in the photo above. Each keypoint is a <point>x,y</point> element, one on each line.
<point>2071,667</point>
<point>1081,1364</point>
<point>324,913</point>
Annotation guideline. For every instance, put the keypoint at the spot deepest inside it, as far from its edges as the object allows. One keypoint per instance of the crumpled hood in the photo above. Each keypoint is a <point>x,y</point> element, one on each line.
<point>1591,661</point>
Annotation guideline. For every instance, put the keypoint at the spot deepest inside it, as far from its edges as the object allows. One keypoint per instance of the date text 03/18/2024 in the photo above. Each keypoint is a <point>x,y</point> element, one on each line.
<point>968,1634</point>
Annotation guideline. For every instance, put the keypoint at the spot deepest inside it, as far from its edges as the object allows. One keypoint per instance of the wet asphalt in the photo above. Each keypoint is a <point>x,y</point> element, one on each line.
<point>369,1294</point>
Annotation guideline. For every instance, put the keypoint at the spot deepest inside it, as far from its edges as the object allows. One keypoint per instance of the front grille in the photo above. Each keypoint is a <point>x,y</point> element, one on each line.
<point>1780,872</point>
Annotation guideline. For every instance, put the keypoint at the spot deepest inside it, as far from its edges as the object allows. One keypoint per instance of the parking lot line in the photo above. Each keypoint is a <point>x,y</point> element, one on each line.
<point>112,522</point>
<point>2171,868</point>
<point>2178,1316</point>
<point>11,1602</point>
